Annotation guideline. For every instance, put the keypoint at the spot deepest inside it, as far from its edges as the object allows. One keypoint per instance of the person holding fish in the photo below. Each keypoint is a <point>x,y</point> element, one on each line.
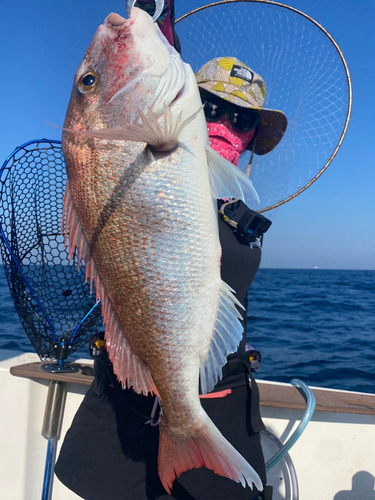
<point>139,209</point>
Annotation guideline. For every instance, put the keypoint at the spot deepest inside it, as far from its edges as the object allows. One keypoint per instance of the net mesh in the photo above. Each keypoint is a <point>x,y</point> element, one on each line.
<point>32,187</point>
<point>305,78</point>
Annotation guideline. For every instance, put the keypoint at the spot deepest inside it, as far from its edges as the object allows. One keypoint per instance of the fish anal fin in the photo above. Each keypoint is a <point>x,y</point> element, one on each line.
<point>207,447</point>
<point>226,338</point>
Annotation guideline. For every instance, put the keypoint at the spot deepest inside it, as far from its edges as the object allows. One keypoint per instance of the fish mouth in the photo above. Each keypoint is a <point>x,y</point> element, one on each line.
<point>114,23</point>
<point>137,24</point>
<point>115,20</point>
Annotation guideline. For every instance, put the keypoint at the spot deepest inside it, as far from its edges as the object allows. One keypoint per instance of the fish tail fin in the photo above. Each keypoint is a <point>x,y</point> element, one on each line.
<point>208,448</point>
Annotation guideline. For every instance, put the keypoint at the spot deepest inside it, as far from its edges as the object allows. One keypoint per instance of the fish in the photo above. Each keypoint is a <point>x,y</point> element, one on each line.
<point>140,205</point>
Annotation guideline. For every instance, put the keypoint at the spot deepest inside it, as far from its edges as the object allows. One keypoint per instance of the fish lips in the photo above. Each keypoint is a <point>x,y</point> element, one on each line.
<point>115,25</point>
<point>149,43</point>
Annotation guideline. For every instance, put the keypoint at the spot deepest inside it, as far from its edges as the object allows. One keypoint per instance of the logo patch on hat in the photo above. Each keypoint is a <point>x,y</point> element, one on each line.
<point>241,72</point>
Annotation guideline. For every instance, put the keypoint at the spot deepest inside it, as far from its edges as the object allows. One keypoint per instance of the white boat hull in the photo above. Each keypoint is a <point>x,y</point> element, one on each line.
<point>335,447</point>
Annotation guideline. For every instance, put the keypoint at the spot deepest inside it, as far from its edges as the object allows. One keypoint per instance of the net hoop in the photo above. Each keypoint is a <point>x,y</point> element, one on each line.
<point>350,94</point>
<point>43,281</point>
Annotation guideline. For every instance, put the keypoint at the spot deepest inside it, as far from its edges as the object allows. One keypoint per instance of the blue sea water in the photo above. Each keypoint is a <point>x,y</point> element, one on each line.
<point>316,325</point>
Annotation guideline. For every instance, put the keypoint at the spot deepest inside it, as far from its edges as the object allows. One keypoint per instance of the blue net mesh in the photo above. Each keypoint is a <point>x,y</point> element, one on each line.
<point>49,293</point>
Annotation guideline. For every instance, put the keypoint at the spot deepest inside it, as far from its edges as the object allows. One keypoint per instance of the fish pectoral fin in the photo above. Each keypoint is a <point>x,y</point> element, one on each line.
<point>162,138</point>
<point>157,137</point>
<point>226,338</point>
<point>227,180</point>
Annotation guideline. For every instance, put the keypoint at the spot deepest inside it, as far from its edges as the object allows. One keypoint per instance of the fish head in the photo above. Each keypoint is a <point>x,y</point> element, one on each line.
<point>120,72</point>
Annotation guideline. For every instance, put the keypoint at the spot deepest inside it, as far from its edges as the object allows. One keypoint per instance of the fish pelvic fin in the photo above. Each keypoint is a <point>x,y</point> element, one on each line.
<point>228,181</point>
<point>156,136</point>
<point>207,447</point>
<point>226,338</point>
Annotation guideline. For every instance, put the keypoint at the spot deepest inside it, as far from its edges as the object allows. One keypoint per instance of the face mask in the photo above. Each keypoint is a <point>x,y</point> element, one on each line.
<point>228,142</point>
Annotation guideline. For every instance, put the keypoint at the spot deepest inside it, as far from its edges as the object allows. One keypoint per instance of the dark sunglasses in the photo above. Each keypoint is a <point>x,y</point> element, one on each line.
<point>241,120</point>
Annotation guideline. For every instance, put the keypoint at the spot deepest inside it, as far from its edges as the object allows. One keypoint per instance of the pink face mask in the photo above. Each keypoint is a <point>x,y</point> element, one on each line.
<point>228,142</point>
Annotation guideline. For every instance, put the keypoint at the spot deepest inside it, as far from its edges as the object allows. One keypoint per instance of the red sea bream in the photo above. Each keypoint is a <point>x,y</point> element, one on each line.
<point>140,206</point>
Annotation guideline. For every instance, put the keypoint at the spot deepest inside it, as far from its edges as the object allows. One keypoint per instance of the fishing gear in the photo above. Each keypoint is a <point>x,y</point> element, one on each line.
<point>305,77</point>
<point>49,291</point>
<point>254,356</point>
<point>246,222</point>
<point>157,7</point>
<point>50,294</point>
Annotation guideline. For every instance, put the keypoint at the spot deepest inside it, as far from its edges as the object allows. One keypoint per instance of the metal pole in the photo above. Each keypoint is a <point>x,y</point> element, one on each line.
<point>51,431</point>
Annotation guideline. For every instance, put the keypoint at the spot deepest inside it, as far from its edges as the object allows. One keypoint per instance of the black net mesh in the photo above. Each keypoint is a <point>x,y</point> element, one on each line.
<point>32,185</point>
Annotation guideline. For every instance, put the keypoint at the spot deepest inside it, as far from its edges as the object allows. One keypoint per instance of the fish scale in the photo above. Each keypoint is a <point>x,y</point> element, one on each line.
<point>139,207</point>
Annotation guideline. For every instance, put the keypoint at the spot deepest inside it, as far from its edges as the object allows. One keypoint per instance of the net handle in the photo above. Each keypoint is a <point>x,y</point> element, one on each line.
<point>350,92</point>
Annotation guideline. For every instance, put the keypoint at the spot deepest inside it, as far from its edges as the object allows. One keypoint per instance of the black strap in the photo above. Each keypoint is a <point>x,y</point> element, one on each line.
<point>104,377</point>
<point>255,418</point>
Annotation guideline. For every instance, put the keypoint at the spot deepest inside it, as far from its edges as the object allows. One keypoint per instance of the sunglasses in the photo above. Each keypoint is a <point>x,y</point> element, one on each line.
<point>242,121</point>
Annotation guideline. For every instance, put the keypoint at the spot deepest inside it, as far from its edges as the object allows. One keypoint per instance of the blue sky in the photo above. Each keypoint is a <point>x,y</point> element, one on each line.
<point>330,226</point>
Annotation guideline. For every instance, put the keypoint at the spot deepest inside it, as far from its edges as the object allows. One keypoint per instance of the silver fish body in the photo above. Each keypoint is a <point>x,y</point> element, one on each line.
<point>145,222</point>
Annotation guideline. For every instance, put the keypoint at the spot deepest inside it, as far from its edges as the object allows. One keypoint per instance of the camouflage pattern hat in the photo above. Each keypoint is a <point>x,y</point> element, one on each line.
<point>230,79</point>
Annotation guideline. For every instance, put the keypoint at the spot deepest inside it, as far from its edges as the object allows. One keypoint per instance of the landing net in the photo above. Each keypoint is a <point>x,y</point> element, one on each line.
<point>49,293</point>
<point>306,77</point>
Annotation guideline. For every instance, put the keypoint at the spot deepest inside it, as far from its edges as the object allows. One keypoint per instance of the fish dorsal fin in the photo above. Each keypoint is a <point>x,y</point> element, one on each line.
<point>128,368</point>
<point>226,338</point>
<point>227,180</point>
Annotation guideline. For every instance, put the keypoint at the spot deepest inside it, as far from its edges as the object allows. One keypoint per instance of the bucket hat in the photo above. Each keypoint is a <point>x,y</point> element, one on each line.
<point>232,80</point>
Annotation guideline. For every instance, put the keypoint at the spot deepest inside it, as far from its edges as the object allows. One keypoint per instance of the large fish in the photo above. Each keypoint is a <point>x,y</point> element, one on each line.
<point>139,206</point>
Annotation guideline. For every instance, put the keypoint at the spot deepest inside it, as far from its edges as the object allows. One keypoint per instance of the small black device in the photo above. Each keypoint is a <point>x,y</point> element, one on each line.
<point>248,222</point>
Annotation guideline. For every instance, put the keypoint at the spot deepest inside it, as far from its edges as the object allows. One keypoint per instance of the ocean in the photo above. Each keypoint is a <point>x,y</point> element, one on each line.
<point>316,325</point>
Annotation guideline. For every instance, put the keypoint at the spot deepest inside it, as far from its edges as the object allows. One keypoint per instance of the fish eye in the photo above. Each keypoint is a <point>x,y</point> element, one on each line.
<point>87,83</point>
